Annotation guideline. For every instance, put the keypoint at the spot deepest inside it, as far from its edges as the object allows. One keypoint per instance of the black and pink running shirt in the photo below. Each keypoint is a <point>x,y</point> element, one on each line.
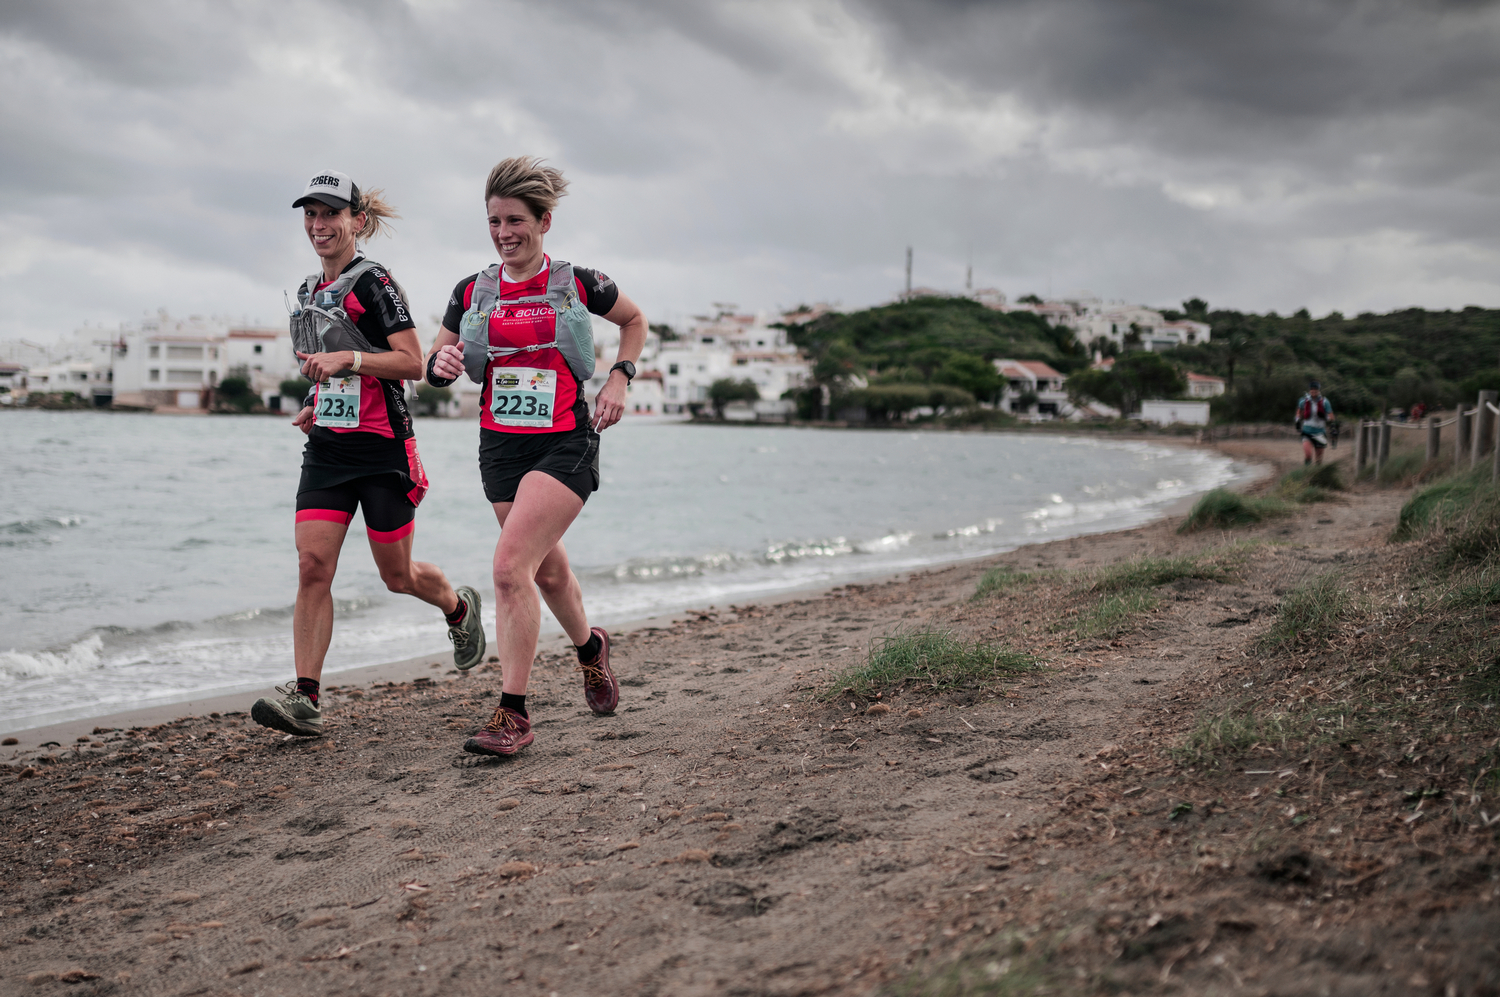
<point>375,305</point>
<point>527,326</point>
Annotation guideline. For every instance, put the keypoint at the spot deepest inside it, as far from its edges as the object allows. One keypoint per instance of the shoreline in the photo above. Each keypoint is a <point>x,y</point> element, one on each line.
<point>237,699</point>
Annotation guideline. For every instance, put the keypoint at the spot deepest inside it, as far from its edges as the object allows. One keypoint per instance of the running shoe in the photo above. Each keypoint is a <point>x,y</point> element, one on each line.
<point>505,734</point>
<point>468,636</point>
<point>293,713</point>
<point>599,685</point>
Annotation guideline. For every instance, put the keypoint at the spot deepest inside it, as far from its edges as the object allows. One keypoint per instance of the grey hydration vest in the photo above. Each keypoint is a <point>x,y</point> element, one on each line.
<point>574,330</point>
<point>320,324</point>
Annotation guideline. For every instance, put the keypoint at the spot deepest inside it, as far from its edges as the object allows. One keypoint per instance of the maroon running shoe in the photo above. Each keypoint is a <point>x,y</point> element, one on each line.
<point>599,685</point>
<point>505,734</point>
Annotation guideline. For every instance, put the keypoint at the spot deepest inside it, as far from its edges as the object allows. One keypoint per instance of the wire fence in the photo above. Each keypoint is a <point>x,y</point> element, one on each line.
<point>1477,434</point>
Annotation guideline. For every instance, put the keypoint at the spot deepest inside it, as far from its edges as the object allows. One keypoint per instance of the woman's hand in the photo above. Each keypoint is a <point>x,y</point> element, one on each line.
<point>320,367</point>
<point>304,420</point>
<point>609,403</point>
<point>448,362</point>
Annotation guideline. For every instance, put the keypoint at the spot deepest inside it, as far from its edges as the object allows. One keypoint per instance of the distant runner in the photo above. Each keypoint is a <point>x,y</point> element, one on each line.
<point>353,331</point>
<point>522,328</point>
<point>1313,413</point>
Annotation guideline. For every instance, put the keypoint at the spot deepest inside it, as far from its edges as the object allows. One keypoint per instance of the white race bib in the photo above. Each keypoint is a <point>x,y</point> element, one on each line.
<point>523,396</point>
<point>338,403</point>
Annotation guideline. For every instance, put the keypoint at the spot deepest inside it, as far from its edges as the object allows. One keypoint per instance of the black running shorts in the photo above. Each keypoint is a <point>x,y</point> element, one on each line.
<point>389,514</point>
<point>571,457</point>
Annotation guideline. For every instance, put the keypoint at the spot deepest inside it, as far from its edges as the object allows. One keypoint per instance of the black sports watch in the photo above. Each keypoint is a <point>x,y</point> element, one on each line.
<point>627,368</point>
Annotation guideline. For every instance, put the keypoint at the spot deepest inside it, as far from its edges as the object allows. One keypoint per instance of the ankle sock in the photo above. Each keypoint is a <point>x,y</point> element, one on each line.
<point>590,651</point>
<point>512,702</point>
<point>457,616</point>
<point>309,688</point>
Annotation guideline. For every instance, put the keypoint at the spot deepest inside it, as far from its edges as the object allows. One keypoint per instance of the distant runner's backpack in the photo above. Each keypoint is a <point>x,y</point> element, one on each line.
<point>320,324</point>
<point>573,333</point>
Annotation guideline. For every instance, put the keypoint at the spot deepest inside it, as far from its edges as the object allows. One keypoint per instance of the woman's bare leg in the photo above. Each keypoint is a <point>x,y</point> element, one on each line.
<point>318,544</point>
<point>531,533</point>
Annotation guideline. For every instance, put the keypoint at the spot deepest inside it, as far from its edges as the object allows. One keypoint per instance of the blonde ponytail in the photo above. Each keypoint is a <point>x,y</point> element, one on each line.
<point>376,211</point>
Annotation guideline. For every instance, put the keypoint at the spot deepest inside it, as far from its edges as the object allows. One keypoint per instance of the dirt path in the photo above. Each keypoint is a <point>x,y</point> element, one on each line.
<point>723,833</point>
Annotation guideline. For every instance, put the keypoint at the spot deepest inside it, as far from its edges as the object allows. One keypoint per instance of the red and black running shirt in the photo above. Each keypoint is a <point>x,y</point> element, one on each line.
<point>375,305</point>
<point>529,325</point>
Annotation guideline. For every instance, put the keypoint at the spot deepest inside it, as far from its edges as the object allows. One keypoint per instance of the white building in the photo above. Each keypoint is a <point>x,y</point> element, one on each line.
<point>646,394</point>
<point>1204,385</point>
<point>170,363</point>
<point>1125,325</point>
<point>265,357</point>
<point>728,345</point>
<point>1167,413</point>
<point>12,382</point>
<point>1033,377</point>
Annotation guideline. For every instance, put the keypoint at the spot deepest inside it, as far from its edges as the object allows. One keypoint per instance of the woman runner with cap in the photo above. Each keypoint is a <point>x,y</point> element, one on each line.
<point>522,329</point>
<point>353,332</point>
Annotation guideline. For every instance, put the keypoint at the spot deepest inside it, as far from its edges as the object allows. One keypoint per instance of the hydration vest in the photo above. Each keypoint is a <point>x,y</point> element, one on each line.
<point>573,332</point>
<point>320,324</point>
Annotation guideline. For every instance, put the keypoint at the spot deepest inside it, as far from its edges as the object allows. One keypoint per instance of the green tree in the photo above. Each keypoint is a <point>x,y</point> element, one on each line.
<point>727,389</point>
<point>1133,377</point>
<point>236,393</point>
<point>664,331</point>
<point>294,387</point>
<point>975,375</point>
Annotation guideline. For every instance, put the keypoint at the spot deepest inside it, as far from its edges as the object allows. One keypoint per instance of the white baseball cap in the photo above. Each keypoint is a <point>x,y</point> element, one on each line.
<point>331,188</point>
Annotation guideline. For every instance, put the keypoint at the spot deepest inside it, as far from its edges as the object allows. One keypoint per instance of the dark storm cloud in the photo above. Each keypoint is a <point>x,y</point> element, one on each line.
<point>1264,155</point>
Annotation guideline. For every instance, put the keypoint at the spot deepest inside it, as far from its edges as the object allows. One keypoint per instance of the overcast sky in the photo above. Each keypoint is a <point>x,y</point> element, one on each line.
<point>1262,155</point>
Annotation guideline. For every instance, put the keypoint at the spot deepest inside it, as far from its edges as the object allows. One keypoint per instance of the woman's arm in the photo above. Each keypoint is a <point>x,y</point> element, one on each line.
<point>446,358</point>
<point>402,363</point>
<point>609,404</point>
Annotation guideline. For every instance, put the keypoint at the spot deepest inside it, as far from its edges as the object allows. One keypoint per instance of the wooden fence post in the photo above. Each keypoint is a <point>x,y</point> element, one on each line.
<point>1484,423</point>
<point>1495,460</point>
<point>1382,438</point>
<point>1361,454</point>
<point>1434,439</point>
<point>1461,437</point>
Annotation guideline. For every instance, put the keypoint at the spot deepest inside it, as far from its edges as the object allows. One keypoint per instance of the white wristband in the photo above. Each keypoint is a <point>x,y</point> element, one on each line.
<point>358,359</point>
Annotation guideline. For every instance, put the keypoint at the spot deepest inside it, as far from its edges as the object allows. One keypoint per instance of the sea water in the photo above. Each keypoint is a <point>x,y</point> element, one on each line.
<point>146,559</point>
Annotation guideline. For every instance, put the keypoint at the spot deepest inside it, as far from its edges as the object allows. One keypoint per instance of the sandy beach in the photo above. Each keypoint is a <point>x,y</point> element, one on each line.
<point>740,827</point>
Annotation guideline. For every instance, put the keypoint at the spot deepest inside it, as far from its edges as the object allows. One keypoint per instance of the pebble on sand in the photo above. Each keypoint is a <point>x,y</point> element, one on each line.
<point>184,897</point>
<point>516,870</point>
<point>509,803</point>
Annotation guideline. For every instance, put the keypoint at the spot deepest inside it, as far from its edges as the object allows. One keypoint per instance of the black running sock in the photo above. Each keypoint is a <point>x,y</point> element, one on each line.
<point>590,651</point>
<point>517,703</point>
<point>309,688</point>
<point>457,616</point>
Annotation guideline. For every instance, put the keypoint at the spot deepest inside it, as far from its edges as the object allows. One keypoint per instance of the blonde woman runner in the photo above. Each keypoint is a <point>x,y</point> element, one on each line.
<point>522,329</point>
<point>353,332</point>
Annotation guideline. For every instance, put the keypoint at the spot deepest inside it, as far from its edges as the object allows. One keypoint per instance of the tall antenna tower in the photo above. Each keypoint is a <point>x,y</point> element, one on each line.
<point>907,295</point>
<point>969,273</point>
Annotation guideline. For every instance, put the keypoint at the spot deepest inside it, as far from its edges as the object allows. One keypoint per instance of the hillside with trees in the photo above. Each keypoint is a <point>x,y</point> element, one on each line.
<point>1367,364</point>
<point>936,350</point>
<point>927,351</point>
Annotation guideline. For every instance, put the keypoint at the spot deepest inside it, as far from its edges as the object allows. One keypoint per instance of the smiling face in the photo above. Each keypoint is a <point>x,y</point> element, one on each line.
<point>517,234</point>
<point>330,230</point>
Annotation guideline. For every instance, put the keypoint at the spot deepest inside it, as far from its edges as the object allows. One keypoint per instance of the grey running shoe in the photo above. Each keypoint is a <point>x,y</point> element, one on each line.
<point>468,636</point>
<point>293,713</point>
